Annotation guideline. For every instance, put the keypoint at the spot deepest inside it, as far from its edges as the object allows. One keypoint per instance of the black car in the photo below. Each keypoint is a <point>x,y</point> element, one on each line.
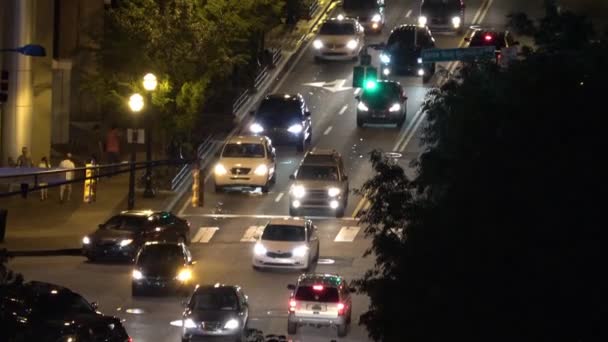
<point>498,39</point>
<point>382,102</point>
<point>216,311</point>
<point>402,52</point>
<point>284,118</point>
<point>162,266</point>
<point>442,15</point>
<point>37,311</point>
<point>369,13</point>
<point>122,235</point>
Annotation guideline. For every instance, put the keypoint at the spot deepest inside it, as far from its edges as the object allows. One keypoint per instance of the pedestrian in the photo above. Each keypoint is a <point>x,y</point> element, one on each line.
<point>24,159</point>
<point>113,147</point>
<point>44,164</point>
<point>67,163</point>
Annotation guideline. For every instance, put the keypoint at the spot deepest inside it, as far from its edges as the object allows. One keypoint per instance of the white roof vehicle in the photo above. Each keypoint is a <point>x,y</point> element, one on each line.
<point>339,39</point>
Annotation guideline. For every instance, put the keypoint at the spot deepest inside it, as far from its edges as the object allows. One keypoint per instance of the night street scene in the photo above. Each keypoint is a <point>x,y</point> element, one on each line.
<point>303,170</point>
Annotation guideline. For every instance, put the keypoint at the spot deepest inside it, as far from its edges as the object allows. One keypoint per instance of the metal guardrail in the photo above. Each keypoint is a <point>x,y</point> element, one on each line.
<point>311,10</point>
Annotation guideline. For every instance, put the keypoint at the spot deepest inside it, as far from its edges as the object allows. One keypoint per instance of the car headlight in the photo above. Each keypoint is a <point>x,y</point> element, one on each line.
<point>295,129</point>
<point>189,323</point>
<point>137,275</point>
<point>362,107</point>
<point>317,44</point>
<point>352,44</point>
<point>386,71</point>
<point>300,251</point>
<point>384,58</point>
<point>456,22</point>
<point>231,324</point>
<point>259,249</point>
<point>419,60</point>
<point>420,72</point>
<point>298,191</point>
<point>86,240</point>
<point>125,242</point>
<point>220,170</point>
<point>422,20</point>
<point>256,128</point>
<point>184,275</point>
<point>261,170</point>
<point>333,192</point>
<point>395,107</point>
<point>376,18</point>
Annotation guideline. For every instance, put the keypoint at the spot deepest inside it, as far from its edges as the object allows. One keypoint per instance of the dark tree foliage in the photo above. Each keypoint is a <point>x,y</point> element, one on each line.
<point>499,237</point>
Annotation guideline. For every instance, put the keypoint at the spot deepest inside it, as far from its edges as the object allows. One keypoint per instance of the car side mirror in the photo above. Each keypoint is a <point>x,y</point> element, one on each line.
<point>358,98</point>
<point>95,305</point>
<point>252,112</point>
<point>291,287</point>
<point>292,177</point>
<point>307,113</point>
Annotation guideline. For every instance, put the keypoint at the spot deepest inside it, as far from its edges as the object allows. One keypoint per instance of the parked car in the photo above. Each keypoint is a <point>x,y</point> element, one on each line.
<point>122,235</point>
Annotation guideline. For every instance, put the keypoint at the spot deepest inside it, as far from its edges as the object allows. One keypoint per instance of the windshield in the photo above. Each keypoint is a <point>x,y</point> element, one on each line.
<point>63,303</point>
<point>126,222</point>
<point>383,95</point>
<point>160,254</point>
<point>317,172</point>
<point>337,28</point>
<point>214,299</point>
<point>325,295</point>
<point>359,4</point>
<point>279,112</point>
<point>244,151</point>
<point>283,233</point>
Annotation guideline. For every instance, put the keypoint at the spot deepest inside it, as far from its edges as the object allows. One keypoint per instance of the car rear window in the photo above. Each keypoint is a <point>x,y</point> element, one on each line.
<point>243,151</point>
<point>283,233</point>
<point>325,295</point>
<point>337,28</point>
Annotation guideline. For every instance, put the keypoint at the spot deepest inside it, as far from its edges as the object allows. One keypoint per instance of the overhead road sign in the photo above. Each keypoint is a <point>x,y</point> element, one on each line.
<point>462,54</point>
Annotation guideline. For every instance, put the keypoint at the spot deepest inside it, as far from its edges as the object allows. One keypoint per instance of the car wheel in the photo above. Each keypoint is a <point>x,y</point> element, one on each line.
<point>293,211</point>
<point>309,139</point>
<point>257,268</point>
<point>300,145</point>
<point>265,188</point>
<point>181,239</point>
<point>185,339</point>
<point>318,59</point>
<point>360,121</point>
<point>292,328</point>
<point>135,291</point>
<point>401,122</point>
<point>91,258</point>
<point>340,212</point>
<point>342,330</point>
<point>273,180</point>
<point>426,77</point>
<point>219,188</point>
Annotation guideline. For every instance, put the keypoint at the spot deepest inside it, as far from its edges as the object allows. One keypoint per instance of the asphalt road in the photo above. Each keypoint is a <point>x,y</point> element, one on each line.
<point>222,228</point>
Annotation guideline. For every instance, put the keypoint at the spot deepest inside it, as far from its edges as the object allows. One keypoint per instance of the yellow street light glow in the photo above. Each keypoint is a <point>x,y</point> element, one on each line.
<point>150,82</point>
<point>136,102</point>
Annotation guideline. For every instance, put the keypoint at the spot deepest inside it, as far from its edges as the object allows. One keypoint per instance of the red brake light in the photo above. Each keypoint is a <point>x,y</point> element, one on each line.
<point>340,308</point>
<point>488,37</point>
<point>292,305</point>
<point>317,287</point>
<point>130,339</point>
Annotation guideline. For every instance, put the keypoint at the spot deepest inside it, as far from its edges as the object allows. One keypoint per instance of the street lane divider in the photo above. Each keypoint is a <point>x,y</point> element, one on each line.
<point>347,234</point>
<point>252,233</point>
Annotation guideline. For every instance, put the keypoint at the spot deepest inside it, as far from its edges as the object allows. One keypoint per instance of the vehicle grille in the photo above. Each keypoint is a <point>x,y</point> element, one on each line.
<point>106,243</point>
<point>439,21</point>
<point>335,46</point>
<point>278,255</point>
<point>240,170</point>
<point>211,326</point>
<point>317,195</point>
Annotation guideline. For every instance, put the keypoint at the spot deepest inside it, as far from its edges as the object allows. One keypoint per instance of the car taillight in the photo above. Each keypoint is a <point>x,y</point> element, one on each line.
<point>488,37</point>
<point>292,305</point>
<point>317,287</point>
<point>340,309</point>
<point>130,339</point>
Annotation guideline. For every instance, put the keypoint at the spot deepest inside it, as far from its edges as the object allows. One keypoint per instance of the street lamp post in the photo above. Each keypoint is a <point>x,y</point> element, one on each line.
<point>136,104</point>
<point>150,84</point>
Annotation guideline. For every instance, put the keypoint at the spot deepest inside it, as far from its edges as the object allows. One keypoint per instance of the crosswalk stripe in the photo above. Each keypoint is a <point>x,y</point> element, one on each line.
<point>252,233</point>
<point>347,234</point>
<point>204,234</point>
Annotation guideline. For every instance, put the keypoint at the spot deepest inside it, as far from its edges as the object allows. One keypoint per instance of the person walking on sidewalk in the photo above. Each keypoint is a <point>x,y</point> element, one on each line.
<point>44,193</point>
<point>24,159</point>
<point>113,146</point>
<point>67,163</point>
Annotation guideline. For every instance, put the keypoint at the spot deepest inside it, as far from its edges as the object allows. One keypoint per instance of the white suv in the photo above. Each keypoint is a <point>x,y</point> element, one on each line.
<point>246,161</point>
<point>287,243</point>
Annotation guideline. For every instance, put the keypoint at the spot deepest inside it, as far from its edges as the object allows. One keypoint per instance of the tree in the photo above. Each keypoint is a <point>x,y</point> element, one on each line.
<point>497,237</point>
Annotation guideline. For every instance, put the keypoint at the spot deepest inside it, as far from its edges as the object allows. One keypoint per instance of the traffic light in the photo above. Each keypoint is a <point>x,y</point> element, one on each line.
<point>362,75</point>
<point>4,86</point>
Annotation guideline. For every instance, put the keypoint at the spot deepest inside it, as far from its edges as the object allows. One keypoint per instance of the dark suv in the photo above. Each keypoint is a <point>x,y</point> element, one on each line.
<point>382,102</point>
<point>498,39</point>
<point>216,312</point>
<point>369,13</point>
<point>284,118</point>
<point>320,300</point>
<point>442,15</point>
<point>37,311</point>
<point>402,52</point>
<point>319,183</point>
<point>122,235</point>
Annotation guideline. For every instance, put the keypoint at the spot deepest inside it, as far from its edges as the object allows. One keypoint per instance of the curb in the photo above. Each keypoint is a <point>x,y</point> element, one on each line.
<point>271,81</point>
<point>39,253</point>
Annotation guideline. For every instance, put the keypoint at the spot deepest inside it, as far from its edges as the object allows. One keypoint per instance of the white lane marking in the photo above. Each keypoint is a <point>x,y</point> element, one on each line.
<point>279,196</point>
<point>252,233</point>
<point>357,91</point>
<point>204,234</point>
<point>327,130</point>
<point>226,216</point>
<point>343,110</point>
<point>409,12</point>
<point>347,234</point>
